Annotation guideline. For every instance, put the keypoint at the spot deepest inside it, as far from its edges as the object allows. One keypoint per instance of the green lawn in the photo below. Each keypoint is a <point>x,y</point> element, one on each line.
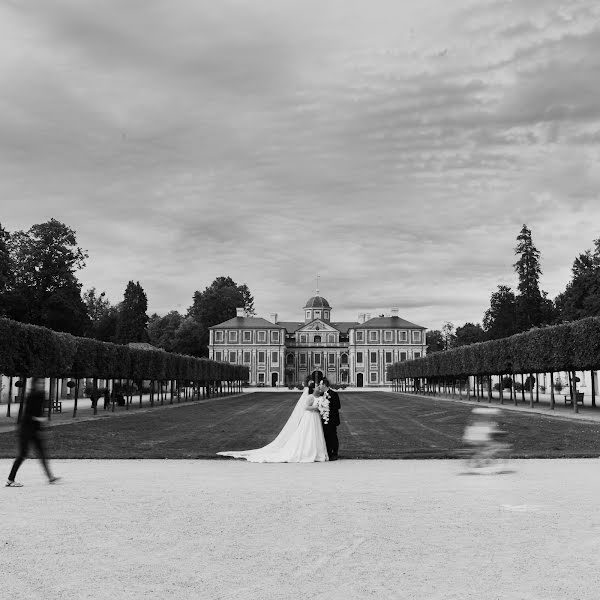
<point>374,425</point>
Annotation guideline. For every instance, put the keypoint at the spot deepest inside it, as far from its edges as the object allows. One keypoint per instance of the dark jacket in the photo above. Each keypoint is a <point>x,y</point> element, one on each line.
<point>34,409</point>
<point>334,408</point>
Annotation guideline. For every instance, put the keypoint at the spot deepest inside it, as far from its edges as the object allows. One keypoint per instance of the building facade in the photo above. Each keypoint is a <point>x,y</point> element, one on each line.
<point>353,353</point>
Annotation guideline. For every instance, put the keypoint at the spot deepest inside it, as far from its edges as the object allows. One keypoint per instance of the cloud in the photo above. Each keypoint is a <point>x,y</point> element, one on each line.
<point>395,149</point>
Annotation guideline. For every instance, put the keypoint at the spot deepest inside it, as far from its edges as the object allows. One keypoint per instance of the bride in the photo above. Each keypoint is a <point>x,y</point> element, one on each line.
<point>300,440</point>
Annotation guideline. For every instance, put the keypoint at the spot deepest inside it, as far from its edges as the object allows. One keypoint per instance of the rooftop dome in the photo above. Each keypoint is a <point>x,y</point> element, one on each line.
<point>317,302</point>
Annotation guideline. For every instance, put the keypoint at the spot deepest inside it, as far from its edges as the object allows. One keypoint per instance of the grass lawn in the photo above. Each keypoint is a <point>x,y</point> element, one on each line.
<point>374,425</point>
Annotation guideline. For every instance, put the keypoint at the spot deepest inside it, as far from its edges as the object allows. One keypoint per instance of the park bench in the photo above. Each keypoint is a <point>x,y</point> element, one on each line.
<point>578,398</point>
<point>57,406</point>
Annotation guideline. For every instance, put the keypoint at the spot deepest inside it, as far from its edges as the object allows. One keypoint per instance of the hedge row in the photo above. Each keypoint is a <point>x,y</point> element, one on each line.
<point>567,347</point>
<point>32,351</point>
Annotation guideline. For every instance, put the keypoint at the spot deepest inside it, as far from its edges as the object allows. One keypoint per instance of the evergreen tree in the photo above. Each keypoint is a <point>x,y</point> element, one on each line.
<point>102,314</point>
<point>533,307</point>
<point>500,319</point>
<point>132,319</point>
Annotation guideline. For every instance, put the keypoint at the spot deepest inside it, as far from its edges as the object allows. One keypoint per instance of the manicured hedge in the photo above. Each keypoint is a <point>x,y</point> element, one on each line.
<point>32,351</point>
<point>565,347</point>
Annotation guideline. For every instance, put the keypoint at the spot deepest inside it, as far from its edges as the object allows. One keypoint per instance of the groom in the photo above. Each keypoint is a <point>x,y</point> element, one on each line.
<point>330,428</point>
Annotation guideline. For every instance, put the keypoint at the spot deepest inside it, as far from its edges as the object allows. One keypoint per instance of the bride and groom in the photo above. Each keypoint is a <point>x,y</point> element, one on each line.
<point>309,435</point>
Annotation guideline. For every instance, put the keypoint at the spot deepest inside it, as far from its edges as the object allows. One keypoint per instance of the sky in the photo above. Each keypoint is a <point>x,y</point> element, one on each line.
<point>395,149</point>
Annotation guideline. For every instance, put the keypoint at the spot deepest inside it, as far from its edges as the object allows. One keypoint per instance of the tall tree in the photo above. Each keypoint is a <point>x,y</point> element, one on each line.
<point>435,341</point>
<point>5,268</point>
<point>133,316</point>
<point>469,333</point>
<point>188,338</point>
<point>102,314</point>
<point>162,330</point>
<point>448,334</point>
<point>45,290</point>
<point>218,303</point>
<point>581,297</point>
<point>533,307</point>
<point>500,319</point>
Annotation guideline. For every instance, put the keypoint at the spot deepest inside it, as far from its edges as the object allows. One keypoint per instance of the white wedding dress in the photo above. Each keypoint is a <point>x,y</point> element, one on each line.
<point>300,441</point>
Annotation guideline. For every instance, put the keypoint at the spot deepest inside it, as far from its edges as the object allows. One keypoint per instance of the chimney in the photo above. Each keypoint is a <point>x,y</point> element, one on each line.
<point>274,317</point>
<point>240,312</point>
<point>395,312</point>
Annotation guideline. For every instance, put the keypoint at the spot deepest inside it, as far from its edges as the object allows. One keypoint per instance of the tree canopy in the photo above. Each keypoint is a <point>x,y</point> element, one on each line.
<point>132,315</point>
<point>218,303</point>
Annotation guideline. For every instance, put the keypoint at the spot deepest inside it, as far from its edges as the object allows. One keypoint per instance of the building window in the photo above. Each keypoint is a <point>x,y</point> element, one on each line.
<point>417,355</point>
<point>261,378</point>
<point>326,314</point>
<point>275,337</point>
<point>373,336</point>
<point>317,314</point>
<point>402,336</point>
<point>416,337</point>
<point>308,314</point>
<point>373,357</point>
<point>331,360</point>
<point>232,357</point>
<point>290,359</point>
<point>303,338</point>
<point>302,358</point>
<point>247,336</point>
<point>388,357</point>
<point>262,336</point>
<point>218,356</point>
<point>317,359</point>
<point>247,357</point>
<point>402,356</point>
<point>233,336</point>
<point>317,339</point>
<point>331,338</point>
<point>218,336</point>
<point>389,336</point>
<point>373,377</point>
<point>261,357</point>
<point>344,359</point>
<point>274,357</point>
<point>359,357</point>
<point>360,336</point>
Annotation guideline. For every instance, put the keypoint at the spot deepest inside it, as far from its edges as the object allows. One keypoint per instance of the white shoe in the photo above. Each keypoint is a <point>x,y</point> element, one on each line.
<point>10,483</point>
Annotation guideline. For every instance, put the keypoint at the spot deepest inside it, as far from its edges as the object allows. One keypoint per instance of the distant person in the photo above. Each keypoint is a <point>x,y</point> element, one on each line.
<point>106,398</point>
<point>483,436</point>
<point>29,432</point>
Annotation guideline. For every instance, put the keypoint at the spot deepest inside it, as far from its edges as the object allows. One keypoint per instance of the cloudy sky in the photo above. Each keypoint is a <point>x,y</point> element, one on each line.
<point>394,148</point>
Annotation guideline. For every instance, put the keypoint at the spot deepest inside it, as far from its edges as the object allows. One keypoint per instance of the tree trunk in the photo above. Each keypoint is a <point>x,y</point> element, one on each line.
<point>552,399</point>
<point>593,373</point>
<point>531,380</point>
<point>10,392</point>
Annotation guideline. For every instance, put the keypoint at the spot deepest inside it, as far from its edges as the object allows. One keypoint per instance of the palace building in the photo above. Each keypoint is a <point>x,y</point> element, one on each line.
<point>353,353</point>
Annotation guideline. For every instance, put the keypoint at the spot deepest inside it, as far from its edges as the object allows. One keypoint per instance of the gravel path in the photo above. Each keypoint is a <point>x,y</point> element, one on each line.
<point>351,529</point>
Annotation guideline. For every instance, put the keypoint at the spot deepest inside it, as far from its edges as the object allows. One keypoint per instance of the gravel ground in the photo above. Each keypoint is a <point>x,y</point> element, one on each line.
<point>350,529</point>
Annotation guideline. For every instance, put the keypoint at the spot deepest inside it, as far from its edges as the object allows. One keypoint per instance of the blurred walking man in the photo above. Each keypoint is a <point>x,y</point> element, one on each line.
<point>30,432</point>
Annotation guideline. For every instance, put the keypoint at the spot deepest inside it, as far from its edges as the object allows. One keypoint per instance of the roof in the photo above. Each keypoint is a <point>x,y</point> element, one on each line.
<point>291,326</point>
<point>247,323</point>
<point>343,326</point>
<point>317,302</point>
<point>388,323</point>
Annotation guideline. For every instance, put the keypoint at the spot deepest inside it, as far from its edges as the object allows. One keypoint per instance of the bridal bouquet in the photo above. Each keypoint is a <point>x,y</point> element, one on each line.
<point>322,403</point>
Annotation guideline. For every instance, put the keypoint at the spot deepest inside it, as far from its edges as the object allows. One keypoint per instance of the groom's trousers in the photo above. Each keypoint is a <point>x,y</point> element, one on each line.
<point>331,439</point>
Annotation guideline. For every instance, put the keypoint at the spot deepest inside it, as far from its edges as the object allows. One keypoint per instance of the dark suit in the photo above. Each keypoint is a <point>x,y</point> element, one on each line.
<point>330,429</point>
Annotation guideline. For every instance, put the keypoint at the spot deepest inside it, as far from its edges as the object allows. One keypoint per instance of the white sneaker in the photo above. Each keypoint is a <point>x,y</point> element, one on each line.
<point>10,483</point>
